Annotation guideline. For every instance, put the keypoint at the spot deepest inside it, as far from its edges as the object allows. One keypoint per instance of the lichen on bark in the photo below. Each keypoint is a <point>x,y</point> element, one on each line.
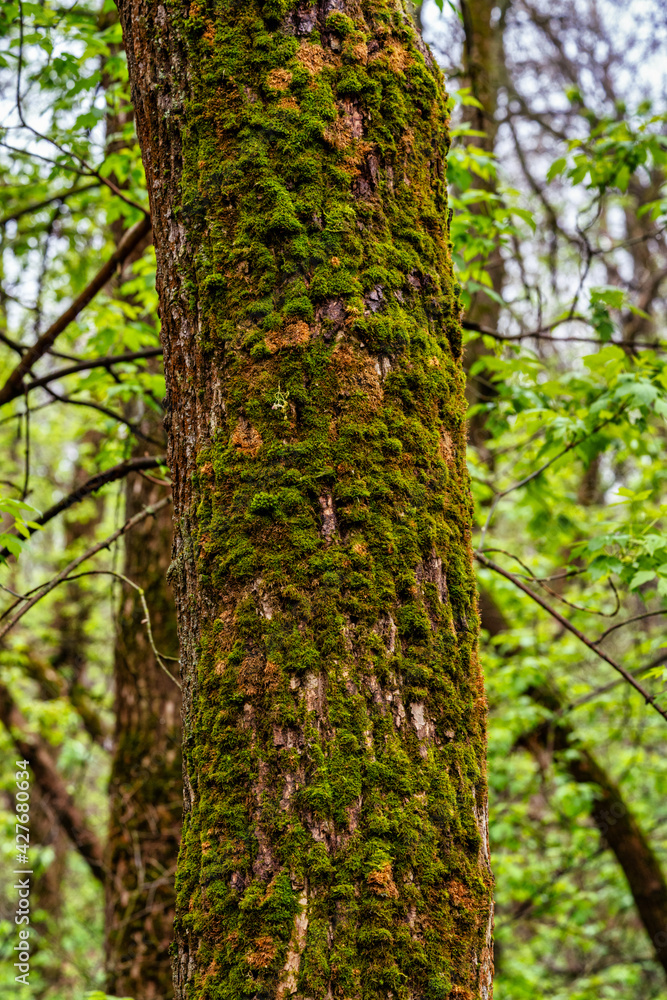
<point>335,836</point>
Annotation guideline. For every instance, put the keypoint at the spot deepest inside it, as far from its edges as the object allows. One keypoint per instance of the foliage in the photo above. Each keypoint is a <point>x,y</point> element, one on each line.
<point>575,385</point>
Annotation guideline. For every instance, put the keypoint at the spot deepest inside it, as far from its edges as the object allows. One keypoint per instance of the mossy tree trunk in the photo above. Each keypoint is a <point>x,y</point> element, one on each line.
<point>335,839</point>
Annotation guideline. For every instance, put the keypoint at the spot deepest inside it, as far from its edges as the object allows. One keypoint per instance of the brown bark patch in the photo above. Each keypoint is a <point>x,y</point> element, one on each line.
<point>338,134</point>
<point>279,79</point>
<point>381,882</point>
<point>292,335</point>
<point>360,52</point>
<point>397,57</point>
<point>250,676</point>
<point>314,57</point>
<point>460,895</point>
<point>246,438</point>
<point>289,103</point>
<point>446,447</point>
<point>272,675</point>
<point>348,126</point>
<point>358,370</point>
<point>264,953</point>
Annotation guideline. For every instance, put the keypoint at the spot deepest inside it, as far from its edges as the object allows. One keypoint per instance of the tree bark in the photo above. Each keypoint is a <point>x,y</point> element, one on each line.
<point>335,837</point>
<point>618,827</point>
<point>484,73</point>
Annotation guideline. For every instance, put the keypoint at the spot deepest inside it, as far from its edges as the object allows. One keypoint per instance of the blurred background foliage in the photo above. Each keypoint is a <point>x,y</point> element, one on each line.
<point>557,176</point>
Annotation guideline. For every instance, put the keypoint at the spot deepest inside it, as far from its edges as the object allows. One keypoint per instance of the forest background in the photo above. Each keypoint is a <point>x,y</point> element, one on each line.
<point>557,177</point>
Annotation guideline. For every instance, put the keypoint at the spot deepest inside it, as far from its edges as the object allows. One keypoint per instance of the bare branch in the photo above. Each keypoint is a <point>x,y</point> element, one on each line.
<point>593,646</point>
<point>51,584</point>
<point>135,428</point>
<point>82,366</point>
<point>13,387</point>
<point>38,205</point>
<point>93,484</point>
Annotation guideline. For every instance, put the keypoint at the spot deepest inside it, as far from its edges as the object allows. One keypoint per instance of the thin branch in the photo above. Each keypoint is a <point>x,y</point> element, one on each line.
<point>51,584</point>
<point>543,581</point>
<point>13,387</point>
<point>160,657</point>
<point>135,428</point>
<point>604,688</point>
<point>37,206</point>
<point>538,472</point>
<point>45,159</point>
<point>635,618</point>
<point>573,444</point>
<point>593,646</point>
<point>82,366</point>
<point>12,344</point>
<point>93,484</point>
<point>26,478</point>
<point>542,334</point>
<point>45,138</point>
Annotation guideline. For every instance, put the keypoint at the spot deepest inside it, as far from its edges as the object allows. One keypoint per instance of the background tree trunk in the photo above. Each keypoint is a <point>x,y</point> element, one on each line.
<point>146,786</point>
<point>145,791</point>
<point>335,840</point>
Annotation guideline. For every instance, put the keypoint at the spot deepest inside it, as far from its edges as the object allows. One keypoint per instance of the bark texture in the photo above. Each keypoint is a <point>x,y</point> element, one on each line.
<point>335,837</point>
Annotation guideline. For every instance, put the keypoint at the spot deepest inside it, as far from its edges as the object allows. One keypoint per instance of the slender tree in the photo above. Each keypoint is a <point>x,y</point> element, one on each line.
<point>335,838</point>
<point>145,788</point>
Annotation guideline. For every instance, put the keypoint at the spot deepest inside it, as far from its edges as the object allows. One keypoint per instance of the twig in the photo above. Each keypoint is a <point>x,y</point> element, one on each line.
<point>74,156</point>
<point>563,576</point>
<point>82,366</point>
<point>13,386</point>
<point>26,479</point>
<point>591,695</point>
<point>147,619</point>
<point>542,334</point>
<point>635,618</point>
<point>19,348</point>
<point>51,584</point>
<point>135,428</point>
<point>93,484</point>
<point>39,205</point>
<point>593,646</point>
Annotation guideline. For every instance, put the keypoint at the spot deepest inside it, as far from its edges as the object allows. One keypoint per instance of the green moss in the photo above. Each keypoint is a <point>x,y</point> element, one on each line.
<point>340,23</point>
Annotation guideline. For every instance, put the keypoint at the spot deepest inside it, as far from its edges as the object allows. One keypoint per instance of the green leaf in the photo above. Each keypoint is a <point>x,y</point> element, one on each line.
<point>643,576</point>
<point>556,168</point>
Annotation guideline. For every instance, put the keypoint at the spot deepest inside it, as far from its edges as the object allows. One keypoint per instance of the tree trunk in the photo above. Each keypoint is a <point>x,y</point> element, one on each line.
<point>335,840</point>
<point>146,787</point>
